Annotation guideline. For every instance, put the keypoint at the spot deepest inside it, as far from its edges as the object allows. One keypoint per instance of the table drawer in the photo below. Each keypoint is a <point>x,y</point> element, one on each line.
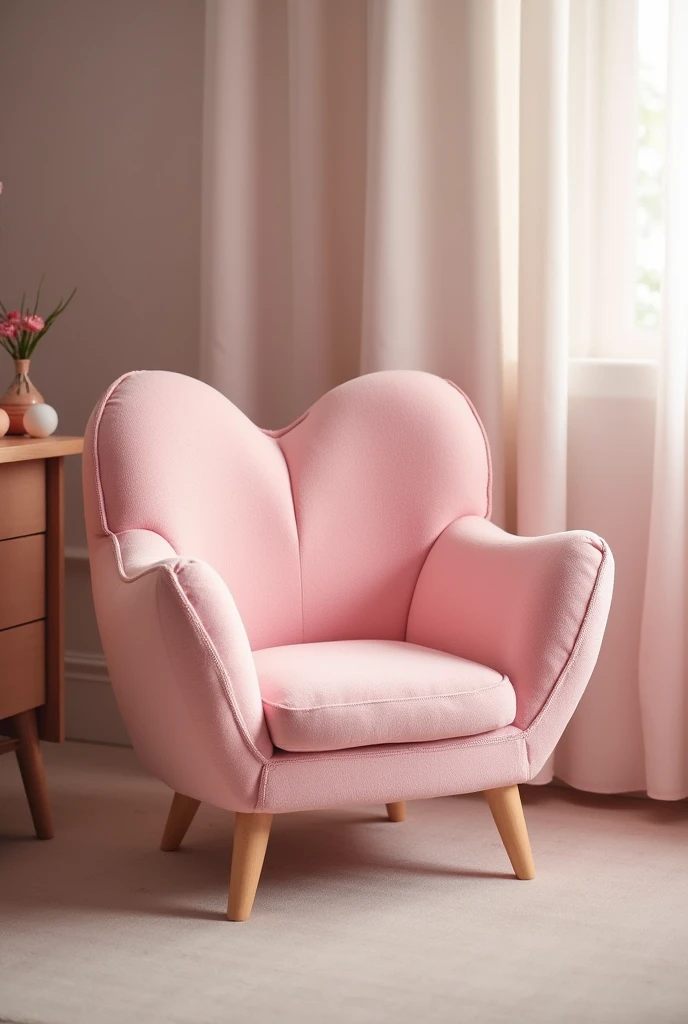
<point>22,580</point>
<point>22,668</point>
<point>22,498</point>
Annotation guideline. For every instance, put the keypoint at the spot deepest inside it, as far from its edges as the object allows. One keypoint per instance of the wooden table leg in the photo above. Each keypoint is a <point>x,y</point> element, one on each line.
<point>396,811</point>
<point>33,773</point>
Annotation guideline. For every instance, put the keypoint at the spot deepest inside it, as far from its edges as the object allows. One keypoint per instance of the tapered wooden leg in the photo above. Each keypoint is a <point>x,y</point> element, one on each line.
<point>507,811</point>
<point>397,811</point>
<point>33,773</point>
<point>180,817</point>
<point>251,833</point>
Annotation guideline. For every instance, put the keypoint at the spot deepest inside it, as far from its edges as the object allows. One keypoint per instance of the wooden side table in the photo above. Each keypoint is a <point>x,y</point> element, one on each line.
<point>32,607</point>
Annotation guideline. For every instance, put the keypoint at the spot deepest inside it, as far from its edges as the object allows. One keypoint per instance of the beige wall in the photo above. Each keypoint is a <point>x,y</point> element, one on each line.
<point>100,129</point>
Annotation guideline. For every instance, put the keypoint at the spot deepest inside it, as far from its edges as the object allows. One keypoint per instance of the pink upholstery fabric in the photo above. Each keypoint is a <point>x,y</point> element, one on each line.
<point>364,520</point>
<point>379,775</point>
<point>358,693</point>
<point>221,494</point>
<point>532,606</point>
<point>375,482</point>
<point>182,669</point>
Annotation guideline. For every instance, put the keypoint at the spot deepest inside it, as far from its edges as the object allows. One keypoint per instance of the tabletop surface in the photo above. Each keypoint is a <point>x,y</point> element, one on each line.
<point>19,449</point>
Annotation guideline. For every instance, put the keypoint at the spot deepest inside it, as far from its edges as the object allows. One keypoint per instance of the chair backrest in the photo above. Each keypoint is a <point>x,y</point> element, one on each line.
<point>319,530</point>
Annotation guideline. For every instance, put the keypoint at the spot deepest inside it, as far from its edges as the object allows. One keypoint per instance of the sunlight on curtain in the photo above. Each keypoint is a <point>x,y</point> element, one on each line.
<point>652,74</point>
<point>664,653</point>
<point>617,138</point>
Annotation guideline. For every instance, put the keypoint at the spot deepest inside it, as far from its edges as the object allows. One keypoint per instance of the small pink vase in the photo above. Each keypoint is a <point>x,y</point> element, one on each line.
<point>19,396</point>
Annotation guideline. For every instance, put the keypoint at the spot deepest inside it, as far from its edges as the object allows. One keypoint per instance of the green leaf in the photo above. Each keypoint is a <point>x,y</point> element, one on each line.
<point>30,340</point>
<point>38,293</point>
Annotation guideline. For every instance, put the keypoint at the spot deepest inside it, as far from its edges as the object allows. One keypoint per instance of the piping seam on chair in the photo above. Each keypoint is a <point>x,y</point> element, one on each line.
<point>262,789</point>
<point>200,629</point>
<point>285,430</point>
<point>420,571</point>
<point>488,497</point>
<point>391,700</point>
<point>95,455</point>
<point>205,640</point>
<point>488,457</point>
<point>94,448</point>
<point>421,747</point>
<point>577,644</point>
<point>296,525</point>
<point>575,650</point>
<point>122,572</point>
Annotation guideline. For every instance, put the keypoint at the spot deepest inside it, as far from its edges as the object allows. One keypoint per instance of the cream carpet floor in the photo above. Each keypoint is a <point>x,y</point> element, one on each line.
<point>356,919</point>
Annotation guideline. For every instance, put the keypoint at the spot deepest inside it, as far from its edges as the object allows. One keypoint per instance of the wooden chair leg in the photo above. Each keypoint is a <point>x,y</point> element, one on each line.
<point>182,811</point>
<point>251,833</point>
<point>507,811</point>
<point>33,773</point>
<point>397,811</point>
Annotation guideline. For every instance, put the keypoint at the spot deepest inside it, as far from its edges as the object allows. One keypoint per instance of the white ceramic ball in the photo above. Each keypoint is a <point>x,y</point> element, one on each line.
<point>4,423</point>
<point>40,420</point>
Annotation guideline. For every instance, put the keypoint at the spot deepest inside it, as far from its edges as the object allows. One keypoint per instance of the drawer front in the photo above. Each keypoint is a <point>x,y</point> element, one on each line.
<point>22,580</point>
<point>22,668</point>
<point>22,498</point>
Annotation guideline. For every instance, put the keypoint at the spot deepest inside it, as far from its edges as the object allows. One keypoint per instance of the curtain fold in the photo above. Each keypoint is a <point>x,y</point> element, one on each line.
<point>449,186</point>
<point>663,655</point>
<point>350,210</point>
<point>543,267</point>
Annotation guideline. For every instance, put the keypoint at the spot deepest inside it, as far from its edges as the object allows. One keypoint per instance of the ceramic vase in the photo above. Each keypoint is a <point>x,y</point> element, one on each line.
<point>19,396</point>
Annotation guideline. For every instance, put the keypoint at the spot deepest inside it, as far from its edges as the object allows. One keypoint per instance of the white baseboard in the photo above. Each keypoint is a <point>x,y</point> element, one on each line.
<point>91,711</point>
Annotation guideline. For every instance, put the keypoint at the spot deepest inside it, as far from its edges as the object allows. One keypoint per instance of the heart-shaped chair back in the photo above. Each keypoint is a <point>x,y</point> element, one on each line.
<point>319,530</point>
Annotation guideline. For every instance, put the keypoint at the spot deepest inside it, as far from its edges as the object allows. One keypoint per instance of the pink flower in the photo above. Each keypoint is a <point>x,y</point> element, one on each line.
<point>14,316</point>
<point>33,323</point>
<point>7,330</point>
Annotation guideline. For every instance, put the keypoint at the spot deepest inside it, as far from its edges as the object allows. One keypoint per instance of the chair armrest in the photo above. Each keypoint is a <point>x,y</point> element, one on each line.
<point>182,668</point>
<point>533,608</point>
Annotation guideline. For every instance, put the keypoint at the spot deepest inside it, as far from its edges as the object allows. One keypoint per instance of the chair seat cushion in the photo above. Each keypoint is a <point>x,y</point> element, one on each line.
<point>356,693</point>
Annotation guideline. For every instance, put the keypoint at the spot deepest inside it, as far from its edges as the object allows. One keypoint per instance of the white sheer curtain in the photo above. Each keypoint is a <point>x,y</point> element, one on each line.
<point>351,207</point>
<point>444,185</point>
<point>663,654</point>
<point>362,205</point>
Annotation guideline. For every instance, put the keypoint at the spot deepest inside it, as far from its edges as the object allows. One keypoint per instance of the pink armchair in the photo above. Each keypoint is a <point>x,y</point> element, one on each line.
<point>324,615</point>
